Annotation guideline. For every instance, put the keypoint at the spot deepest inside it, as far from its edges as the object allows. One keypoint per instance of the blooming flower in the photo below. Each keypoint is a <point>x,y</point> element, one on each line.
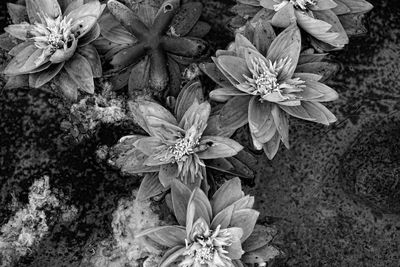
<point>144,44</point>
<point>56,45</point>
<point>262,90</point>
<point>177,146</point>
<point>214,233</point>
<point>319,18</point>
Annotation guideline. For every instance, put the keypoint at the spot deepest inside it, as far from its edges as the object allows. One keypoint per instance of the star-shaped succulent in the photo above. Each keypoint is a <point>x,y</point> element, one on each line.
<point>220,232</point>
<point>150,43</point>
<point>262,89</point>
<point>55,45</point>
<point>326,21</point>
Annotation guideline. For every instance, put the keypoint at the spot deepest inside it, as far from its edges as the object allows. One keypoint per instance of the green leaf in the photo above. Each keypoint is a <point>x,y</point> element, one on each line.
<point>17,13</point>
<point>226,195</point>
<point>139,77</point>
<point>328,94</point>
<point>284,16</point>
<point>91,55</point>
<point>186,18</point>
<point>261,122</point>
<point>224,94</point>
<point>171,256</point>
<point>167,236</point>
<point>81,73</point>
<point>261,236</point>
<point>196,113</point>
<point>168,173</point>
<point>90,36</point>
<point>235,250</point>
<point>180,198</point>
<point>261,255</point>
<point>36,7</point>
<point>212,71</point>
<point>62,55</point>
<point>234,114</point>
<point>218,147</point>
<point>68,87</point>
<point>128,56</point>
<point>149,187</point>
<point>324,5</point>
<point>235,67</point>
<point>202,206</point>
<point>14,82</point>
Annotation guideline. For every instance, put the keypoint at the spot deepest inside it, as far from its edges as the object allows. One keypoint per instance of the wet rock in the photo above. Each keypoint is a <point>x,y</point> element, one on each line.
<point>370,169</point>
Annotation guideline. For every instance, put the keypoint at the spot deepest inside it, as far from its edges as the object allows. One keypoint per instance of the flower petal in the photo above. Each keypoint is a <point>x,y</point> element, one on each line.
<point>202,206</point>
<point>68,87</point>
<point>140,109</point>
<point>227,194</point>
<point>223,218</point>
<point>191,92</point>
<point>234,114</point>
<point>91,55</point>
<point>38,79</point>
<point>261,122</point>
<point>80,71</point>
<point>167,236</point>
<point>284,17</point>
<point>212,71</point>
<point>286,45</point>
<point>224,94</point>
<point>180,198</point>
<point>235,67</point>
<point>271,147</point>
<point>218,147</point>
<point>245,219</point>
<point>19,31</point>
<point>149,187</point>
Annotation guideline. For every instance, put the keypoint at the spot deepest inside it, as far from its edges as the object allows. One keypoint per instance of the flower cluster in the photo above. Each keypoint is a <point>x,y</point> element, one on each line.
<point>56,45</point>
<point>325,21</point>
<point>220,232</point>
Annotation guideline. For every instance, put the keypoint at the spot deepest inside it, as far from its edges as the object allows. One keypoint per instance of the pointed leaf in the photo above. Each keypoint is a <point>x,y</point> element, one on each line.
<point>68,87</point>
<point>167,236</point>
<point>245,219</point>
<point>185,19</point>
<point>226,195</point>
<point>149,187</point>
<point>218,147</point>
<point>38,79</point>
<point>171,256</point>
<point>223,218</point>
<point>81,73</point>
<point>17,13</point>
<point>271,147</point>
<point>190,92</point>
<point>180,198</point>
<point>202,206</point>
<point>91,55</point>
<point>234,113</point>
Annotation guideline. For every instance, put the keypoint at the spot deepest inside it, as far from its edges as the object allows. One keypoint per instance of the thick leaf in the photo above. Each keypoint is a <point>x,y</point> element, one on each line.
<point>113,31</point>
<point>282,124</point>
<point>218,147</point>
<point>325,69</point>
<point>62,55</point>
<point>328,94</point>
<point>91,55</point>
<point>67,86</point>
<point>319,112</point>
<point>127,18</point>
<point>261,122</point>
<point>34,8</point>
<point>226,195</point>
<point>158,70</point>
<point>38,79</point>
<point>180,198</point>
<point>167,236</point>
<point>171,256</point>
<point>263,37</point>
<point>139,76</point>
<point>284,16</point>
<point>69,5</point>
<point>165,15</point>
<point>359,6</point>
<point>192,91</point>
<point>260,237</point>
<point>80,71</point>
<point>196,114</point>
<point>19,31</point>
<point>235,250</point>
<point>330,17</point>
<point>7,42</point>
<point>128,56</point>
<point>15,82</point>
<point>245,219</point>
<point>175,77</point>
<point>261,255</point>
<point>18,48</point>
<point>235,67</point>
<point>90,36</point>
<point>149,187</point>
<point>226,93</point>
<point>184,46</point>
<point>199,30</point>
<point>168,173</point>
<point>16,65</point>
<point>185,19</point>
<point>324,5</point>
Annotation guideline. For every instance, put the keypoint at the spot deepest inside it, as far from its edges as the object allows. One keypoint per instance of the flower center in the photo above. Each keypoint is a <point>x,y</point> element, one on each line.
<point>182,148</point>
<point>204,254</point>
<point>265,77</point>
<point>303,4</point>
<point>53,34</point>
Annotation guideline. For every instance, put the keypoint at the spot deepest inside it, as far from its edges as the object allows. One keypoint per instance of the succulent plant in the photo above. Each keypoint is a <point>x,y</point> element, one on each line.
<point>145,45</point>
<point>263,88</point>
<point>55,44</point>
<point>326,21</point>
<point>215,233</point>
<point>177,145</point>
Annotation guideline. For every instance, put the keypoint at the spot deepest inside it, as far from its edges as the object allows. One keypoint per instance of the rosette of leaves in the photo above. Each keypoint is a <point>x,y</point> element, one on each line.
<point>263,88</point>
<point>327,22</point>
<point>218,232</point>
<point>144,45</point>
<point>178,146</point>
<point>55,45</point>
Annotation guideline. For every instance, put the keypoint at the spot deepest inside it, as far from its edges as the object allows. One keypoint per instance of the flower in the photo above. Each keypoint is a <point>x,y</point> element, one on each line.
<point>326,21</point>
<point>56,45</point>
<point>263,90</point>
<point>144,45</point>
<point>216,233</point>
<point>177,145</point>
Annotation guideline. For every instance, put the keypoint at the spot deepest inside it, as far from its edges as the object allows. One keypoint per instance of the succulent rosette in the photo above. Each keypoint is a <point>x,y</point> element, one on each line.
<point>326,21</point>
<point>263,89</point>
<point>55,44</point>
<point>177,146</point>
<point>144,44</point>
<point>215,233</point>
